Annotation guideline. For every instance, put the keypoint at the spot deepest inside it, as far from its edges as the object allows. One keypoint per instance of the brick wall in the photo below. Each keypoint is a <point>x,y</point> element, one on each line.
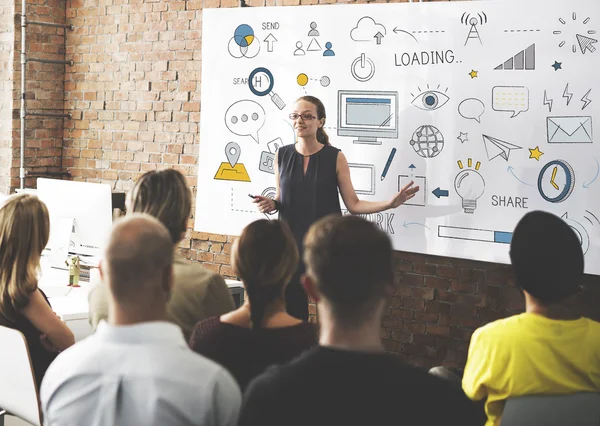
<point>44,88</point>
<point>134,92</point>
<point>7,11</point>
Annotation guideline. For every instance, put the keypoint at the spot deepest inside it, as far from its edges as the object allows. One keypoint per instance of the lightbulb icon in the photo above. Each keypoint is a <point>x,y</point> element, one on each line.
<point>469,185</point>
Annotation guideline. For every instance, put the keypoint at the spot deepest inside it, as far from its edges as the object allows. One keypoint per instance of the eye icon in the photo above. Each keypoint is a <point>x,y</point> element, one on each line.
<point>430,100</point>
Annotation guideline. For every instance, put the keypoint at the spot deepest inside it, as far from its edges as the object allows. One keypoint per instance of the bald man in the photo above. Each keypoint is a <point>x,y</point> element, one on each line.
<point>137,369</point>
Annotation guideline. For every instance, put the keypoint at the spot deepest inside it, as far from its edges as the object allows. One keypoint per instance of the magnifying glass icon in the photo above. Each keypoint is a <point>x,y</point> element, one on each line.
<point>261,83</point>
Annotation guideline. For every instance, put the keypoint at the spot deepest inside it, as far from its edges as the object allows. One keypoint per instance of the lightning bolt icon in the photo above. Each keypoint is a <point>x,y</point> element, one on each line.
<point>548,102</point>
<point>585,99</point>
<point>567,95</point>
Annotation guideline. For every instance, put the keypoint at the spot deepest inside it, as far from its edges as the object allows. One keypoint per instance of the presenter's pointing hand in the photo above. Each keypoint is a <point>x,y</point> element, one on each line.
<point>404,195</point>
<point>265,204</point>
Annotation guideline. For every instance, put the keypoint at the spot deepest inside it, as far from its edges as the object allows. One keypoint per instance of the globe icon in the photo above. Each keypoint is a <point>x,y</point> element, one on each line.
<point>427,141</point>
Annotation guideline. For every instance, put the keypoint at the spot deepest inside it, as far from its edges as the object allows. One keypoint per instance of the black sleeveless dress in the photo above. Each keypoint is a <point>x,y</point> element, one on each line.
<point>40,357</point>
<point>304,199</point>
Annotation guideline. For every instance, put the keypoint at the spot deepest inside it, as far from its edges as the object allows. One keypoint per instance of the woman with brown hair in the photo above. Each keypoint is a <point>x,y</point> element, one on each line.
<point>260,333</point>
<point>198,293</point>
<point>308,176</point>
<point>24,232</point>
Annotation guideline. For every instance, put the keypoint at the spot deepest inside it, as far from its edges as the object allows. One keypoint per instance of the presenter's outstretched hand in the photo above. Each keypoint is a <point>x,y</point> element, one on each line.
<point>265,204</point>
<point>404,195</point>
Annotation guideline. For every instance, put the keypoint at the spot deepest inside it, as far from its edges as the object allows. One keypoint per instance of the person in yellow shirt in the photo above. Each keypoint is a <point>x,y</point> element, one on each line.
<point>548,349</point>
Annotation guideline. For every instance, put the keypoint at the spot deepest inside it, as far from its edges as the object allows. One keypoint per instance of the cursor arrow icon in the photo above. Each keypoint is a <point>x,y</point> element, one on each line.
<point>586,43</point>
<point>270,40</point>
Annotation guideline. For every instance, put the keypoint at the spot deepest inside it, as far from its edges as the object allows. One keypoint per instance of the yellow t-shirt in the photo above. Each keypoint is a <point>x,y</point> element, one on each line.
<point>530,354</point>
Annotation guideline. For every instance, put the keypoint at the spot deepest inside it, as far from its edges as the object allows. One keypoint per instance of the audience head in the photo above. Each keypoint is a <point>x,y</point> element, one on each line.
<point>547,258</point>
<point>348,265</point>
<point>24,232</point>
<point>137,264</point>
<point>165,195</point>
<point>264,257</point>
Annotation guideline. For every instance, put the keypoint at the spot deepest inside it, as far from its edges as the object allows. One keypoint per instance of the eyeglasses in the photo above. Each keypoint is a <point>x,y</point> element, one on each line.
<point>307,116</point>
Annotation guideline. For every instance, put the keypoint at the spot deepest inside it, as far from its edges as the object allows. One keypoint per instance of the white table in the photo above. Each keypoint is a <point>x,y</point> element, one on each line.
<point>71,304</point>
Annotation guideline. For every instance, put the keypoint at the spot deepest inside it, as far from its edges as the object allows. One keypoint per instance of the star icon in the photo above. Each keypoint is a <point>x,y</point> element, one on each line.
<point>462,137</point>
<point>557,66</point>
<point>535,153</point>
<point>473,74</point>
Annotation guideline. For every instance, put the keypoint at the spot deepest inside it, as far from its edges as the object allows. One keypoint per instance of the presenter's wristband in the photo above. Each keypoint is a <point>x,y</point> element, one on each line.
<point>277,205</point>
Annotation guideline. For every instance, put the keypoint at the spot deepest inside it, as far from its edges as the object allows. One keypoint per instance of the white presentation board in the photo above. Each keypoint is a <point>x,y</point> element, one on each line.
<point>488,106</point>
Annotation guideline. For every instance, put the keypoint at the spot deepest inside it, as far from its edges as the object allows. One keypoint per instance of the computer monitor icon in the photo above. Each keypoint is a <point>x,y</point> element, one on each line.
<point>368,115</point>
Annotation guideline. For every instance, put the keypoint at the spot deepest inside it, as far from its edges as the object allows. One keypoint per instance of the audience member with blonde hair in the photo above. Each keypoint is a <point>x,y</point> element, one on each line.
<point>137,369</point>
<point>349,379</point>
<point>24,232</point>
<point>197,293</point>
<point>261,332</point>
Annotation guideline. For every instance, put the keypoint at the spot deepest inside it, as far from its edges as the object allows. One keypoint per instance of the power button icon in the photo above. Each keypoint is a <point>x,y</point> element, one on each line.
<point>362,68</point>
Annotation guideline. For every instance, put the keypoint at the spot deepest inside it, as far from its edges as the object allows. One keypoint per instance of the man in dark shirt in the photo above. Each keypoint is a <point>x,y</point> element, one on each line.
<point>349,379</point>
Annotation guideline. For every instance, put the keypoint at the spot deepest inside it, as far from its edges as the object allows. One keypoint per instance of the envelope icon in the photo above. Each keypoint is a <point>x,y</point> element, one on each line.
<point>569,129</point>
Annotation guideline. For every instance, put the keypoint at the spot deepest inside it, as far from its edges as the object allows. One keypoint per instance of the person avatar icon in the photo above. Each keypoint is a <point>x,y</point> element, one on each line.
<point>313,30</point>
<point>299,50</point>
<point>328,52</point>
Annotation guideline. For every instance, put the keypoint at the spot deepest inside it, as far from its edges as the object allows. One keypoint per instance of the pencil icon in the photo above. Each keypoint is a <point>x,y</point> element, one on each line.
<point>388,163</point>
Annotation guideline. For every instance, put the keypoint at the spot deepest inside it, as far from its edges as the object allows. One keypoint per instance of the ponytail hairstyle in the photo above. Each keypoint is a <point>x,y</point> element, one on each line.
<point>264,257</point>
<point>24,232</point>
<point>322,136</point>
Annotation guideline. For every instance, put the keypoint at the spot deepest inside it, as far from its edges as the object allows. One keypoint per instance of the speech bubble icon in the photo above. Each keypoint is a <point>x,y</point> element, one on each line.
<point>514,99</point>
<point>245,118</point>
<point>471,109</point>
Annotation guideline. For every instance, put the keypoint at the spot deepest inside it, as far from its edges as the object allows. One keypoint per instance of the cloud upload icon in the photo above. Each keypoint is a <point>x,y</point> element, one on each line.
<point>367,30</point>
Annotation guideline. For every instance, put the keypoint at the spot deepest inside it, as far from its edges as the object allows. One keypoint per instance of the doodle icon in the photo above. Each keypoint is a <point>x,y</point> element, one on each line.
<point>469,185</point>
<point>271,193</point>
<point>362,68</point>
<point>524,60</point>
<point>429,100</point>
<point>274,145</point>
<point>513,99</point>
<point>245,118</point>
<point>232,170</point>
<point>243,44</point>
<point>569,129</point>
<point>497,148</point>
<point>584,41</point>
<point>427,141</point>
<point>302,79</point>
<point>261,83</point>
<point>329,51</point>
<point>580,230</point>
<point>535,153</point>
<point>368,30</point>
<point>556,181</point>
<point>266,162</point>
<point>472,21</point>
<point>471,109</point>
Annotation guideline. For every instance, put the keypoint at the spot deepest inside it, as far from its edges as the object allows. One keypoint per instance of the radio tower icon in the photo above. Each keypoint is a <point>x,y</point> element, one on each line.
<point>473,21</point>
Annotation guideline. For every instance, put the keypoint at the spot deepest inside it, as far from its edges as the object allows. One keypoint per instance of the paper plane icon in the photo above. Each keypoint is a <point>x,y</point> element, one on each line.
<point>586,43</point>
<point>497,148</point>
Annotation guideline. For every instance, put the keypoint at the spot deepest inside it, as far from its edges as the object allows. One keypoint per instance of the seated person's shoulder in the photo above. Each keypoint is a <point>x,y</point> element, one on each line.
<point>499,329</point>
<point>187,271</point>
<point>290,375</point>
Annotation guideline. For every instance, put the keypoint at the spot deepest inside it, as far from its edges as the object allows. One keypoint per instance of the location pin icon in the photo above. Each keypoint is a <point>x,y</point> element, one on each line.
<point>232,151</point>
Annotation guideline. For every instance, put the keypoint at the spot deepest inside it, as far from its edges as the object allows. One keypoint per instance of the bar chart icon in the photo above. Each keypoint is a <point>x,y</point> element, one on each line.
<point>524,60</point>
